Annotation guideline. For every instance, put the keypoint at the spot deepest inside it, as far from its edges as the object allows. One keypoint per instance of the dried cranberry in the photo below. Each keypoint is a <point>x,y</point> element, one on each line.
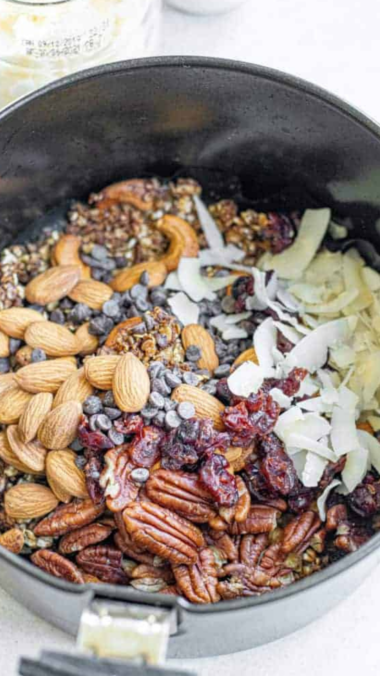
<point>283,344</point>
<point>256,415</point>
<point>289,385</point>
<point>184,447</point>
<point>129,424</point>
<point>179,456</point>
<point>301,499</point>
<point>365,499</point>
<point>144,450</point>
<point>209,438</point>
<point>94,440</point>
<point>276,466</point>
<point>256,483</point>
<point>93,470</point>
<point>330,472</point>
<point>278,232</point>
<point>243,286</point>
<point>220,483</point>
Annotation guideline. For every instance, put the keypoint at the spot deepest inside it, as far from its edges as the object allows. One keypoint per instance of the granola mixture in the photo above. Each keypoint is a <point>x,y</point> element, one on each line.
<point>189,395</point>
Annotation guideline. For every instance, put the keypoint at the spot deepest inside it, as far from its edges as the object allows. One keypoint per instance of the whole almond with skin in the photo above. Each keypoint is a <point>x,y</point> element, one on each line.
<point>13,402</point>
<point>53,339</point>
<point>75,388</point>
<point>128,277</point>
<point>45,376</point>
<point>59,428</point>
<point>6,379</point>
<point>206,406</point>
<point>65,479</point>
<point>15,320</point>
<point>247,355</point>
<point>4,345</point>
<point>29,501</point>
<point>13,540</point>
<point>52,285</point>
<point>35,412</point>
<point>10,458</point>
<point>92,293</point>
<point>31,454</point>
<point>99,371</point>
<point>194,334</point>
<point>66,252</point>
<point>88,344</point>
<point>131,384</point>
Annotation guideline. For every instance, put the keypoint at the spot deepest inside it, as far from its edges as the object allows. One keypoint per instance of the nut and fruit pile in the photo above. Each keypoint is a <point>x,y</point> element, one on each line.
<point>188,395</point>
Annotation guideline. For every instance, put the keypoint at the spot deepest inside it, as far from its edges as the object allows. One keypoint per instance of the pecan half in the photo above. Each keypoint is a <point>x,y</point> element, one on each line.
<point>13,540</point>
<point>145,571</point>
<point>104,563</point>
<point>224,542</point>
<point>120,490</point>
<point>237,513</point>
<point>252,547</point>
<point>68,517</point>
<point>253,580</point>
<point>183,493</point>
<point>84,537</point>
<point>198,581</point>
<point>162,532</point>
<point>57,565</point>
<point>261,519</point>
<point>335,516</point>
<point>298,532</point>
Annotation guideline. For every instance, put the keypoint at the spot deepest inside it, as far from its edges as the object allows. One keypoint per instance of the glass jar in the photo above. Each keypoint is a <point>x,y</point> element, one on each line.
<point>42,40</point>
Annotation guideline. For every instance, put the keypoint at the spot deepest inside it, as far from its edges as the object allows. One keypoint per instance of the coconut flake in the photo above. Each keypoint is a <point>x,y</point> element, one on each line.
<point>353,279</point>
<point>186,311</point>
<point>287,420</point>
<point>223,321</point>
<point>334,306</point>
<point>307,444</point>
<point>289,332</point>
<point>313,470</point>
<point>308,293</point>
<point>246,379</point>
<point>295,259</point>
<point>321,502</point>
<point>212,233</point>
<point>337,231</point>
<point>218,283</point>
<point>190,279</point>
<point>265,341</point>
<point>225,257</point>
<point>311,352</point>
<point>371,278</point>
<point>372,445</point>
<point>172,282</point>
<point>234,333</point>
<point>355,468</point>
<point>280,398</point>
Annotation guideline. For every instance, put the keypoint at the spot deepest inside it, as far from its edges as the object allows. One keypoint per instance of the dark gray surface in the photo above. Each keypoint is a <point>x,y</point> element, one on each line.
<point>289,144</point>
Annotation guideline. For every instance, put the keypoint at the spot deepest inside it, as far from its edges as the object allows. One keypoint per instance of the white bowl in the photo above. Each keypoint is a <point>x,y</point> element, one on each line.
<point>205,6</point>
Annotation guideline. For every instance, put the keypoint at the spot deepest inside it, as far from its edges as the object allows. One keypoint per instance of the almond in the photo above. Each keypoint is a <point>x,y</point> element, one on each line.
<point>131,384</point>
<point>53,339</point>
<point>75,388</point>
<point>99,371</point>
<point>194,334</point>
<point>183,240</point>
<point>92,293</point>
<point>45,376</point>
<point>52,285</point>
<point>6,379</point>
<point>206,406</point>
<point>64,477</point>
<point>66,252</point>
<point>31,454</point>
<point>13,540</point>
<point>133,191</point>
<point>29,501</point>
<point>15,321</point>
<point>128,277</point>
<point>10,458</point>
<point>88,344</point>
<point>35,412</point>
<point>4,345</point>
<point>247,355</point>
<point>237,456</point>
<point>59,428</point>
<point>13,402</point>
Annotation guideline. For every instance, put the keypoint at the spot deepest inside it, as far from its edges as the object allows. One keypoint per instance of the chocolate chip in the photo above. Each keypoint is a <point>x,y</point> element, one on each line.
<point>111,308</point>
<point>222,371</point>
<point>36,356</point>
<point>57,317</point>
<point>157,400</point>
<point>228,304</point>
<point>142,305</point>
<point>80,313</point>
<point>113,413</point>
<point>138,291</point>
<point>159,419</point>
<point>99,252</point>
<point>14,345</point>
<point>172,420</point>
<point>190,378</point>
<point>116,437</point>
<point>120,261</point>
<point>149,322</point>
<point>209,388</point>
<point>144,279</point>
<point>193,353</point>
<point>158,297</point>
<point>108,399</point>
<point>186,410</point>
<point>66,304</point>
<point>4,365</point>
<point>126,299</point>
<point>155,369</point>
<point>159,385</point>
<point>76,445</point>
<point>103,422</point>
<point>169,405</point>
<point>99,326</point>
<point>172,380</point>
<point>140,475</point>
<point>149,412</point>
<point>93,422</point>
<point>92,405</point>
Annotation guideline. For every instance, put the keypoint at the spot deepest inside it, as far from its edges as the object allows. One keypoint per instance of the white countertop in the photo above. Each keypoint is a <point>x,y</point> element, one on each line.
<point>333,44</point>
